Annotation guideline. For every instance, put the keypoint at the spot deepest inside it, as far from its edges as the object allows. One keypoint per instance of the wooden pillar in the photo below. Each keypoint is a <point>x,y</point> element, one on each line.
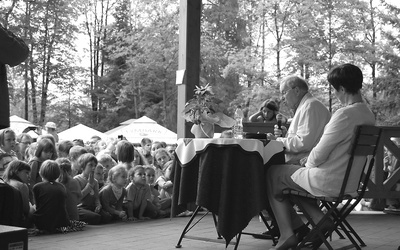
<point>189,58</point>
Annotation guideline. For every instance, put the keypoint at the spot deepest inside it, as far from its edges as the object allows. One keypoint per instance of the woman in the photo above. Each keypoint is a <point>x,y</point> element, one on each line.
<point>267,112</point>
<point>326,164</point>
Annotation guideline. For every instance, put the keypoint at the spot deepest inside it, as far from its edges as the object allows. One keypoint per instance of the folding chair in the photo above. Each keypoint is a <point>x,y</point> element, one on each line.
<point>365,142</point>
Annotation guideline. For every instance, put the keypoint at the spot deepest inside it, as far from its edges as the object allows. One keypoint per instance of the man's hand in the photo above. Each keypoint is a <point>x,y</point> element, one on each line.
<point>280,132</point>
<point>303,161</point>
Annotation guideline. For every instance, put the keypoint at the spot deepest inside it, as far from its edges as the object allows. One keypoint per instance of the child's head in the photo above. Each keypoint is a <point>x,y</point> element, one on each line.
<point>146,145</point>
<point>64,147</point>
<point>99,173</point>
<point>156,145</point>
<point>171,149</point>
<point>150,175</point>
<point>65,169</point>
<point>45,149</point>
<point>100,145</point>
<point>49,171</point>
<point>75,152</point>
<point>24,140</point>
<point>138,158</point>
<point>107,162</point>
<point>161,156</point>
<point>86,164</point>
<point>117,175</point>
<point>48,137</point>
<point>17,170</point>
<point>125,151</point>
<point>137,175</point>
<point>7,139</point>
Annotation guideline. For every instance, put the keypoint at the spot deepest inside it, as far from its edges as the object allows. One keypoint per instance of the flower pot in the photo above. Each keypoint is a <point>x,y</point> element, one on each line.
<point>203,130</point>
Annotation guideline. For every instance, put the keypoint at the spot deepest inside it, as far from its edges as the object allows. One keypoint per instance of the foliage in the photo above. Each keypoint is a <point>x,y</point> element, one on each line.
<point>247,46</point>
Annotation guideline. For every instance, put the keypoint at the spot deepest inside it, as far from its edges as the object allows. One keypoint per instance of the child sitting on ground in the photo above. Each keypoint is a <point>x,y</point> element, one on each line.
<point>17,176</point>
<point>154,203</point>
<point>137,195</point>
<point>90,207</point>
<point>74,194</point>
<point>50,198</point>
<point>113,194</point>
<point>44,151</point>
<point>164,166</point>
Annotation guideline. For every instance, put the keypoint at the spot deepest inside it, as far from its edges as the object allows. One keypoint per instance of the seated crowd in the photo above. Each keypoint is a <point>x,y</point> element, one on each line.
<point>67,184</point>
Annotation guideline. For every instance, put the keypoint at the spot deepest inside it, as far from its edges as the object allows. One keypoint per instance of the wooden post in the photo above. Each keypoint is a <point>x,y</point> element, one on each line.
<point>189,58</point>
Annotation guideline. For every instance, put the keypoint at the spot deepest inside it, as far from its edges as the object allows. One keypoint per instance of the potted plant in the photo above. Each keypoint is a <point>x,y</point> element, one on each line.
<point>202,111</point>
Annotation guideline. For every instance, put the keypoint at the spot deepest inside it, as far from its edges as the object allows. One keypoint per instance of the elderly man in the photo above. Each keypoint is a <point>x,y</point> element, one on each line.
<point>308,123</point>
<point>304,132</point>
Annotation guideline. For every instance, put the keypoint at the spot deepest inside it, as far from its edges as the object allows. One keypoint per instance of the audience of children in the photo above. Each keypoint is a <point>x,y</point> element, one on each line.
<point>63,187</point>
<point>113,194</point>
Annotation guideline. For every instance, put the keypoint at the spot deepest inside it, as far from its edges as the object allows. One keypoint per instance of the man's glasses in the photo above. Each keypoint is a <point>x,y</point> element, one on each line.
<point>284,92</point>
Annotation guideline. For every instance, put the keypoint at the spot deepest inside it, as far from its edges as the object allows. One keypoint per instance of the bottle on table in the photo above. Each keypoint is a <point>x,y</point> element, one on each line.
<point>238,128</point>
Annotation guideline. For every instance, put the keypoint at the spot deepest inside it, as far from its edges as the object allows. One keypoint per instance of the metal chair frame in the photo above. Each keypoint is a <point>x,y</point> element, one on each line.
<point>365,143</point>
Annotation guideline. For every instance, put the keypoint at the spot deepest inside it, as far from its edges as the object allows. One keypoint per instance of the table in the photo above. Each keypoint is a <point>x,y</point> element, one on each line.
<point>226,176</point>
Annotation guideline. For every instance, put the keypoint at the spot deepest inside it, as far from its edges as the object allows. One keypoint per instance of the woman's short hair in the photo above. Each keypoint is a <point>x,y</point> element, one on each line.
<point>348,76</point>
<point>49,170</point>
<point>125,151</point>
<point>45,145</point>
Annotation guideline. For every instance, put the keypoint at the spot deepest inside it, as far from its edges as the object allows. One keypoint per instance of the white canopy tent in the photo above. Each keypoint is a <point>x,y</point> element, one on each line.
<point>82,132</point>
<point>144,127</point>
<point>20,125</point>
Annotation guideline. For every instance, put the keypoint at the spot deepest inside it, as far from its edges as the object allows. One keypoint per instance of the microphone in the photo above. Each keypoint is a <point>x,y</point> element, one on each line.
<point>279,118</point>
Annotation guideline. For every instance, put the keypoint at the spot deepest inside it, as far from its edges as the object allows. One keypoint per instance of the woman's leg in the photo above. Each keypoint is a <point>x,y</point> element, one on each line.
<point>278,178</point>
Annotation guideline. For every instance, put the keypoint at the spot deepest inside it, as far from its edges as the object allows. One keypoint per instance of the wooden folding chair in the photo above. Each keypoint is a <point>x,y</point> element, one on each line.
<point>365,142</point>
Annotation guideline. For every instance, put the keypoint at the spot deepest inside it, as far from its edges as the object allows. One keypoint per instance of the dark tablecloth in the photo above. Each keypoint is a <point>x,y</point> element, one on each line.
<point>227,180</point>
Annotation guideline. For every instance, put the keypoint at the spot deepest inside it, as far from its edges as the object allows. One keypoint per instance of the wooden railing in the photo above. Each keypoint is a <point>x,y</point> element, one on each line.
<point>381,186</point>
